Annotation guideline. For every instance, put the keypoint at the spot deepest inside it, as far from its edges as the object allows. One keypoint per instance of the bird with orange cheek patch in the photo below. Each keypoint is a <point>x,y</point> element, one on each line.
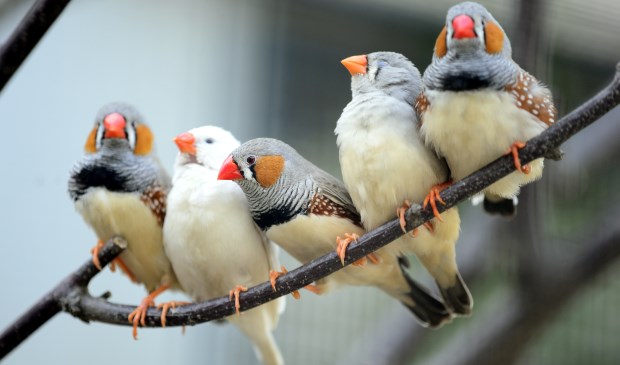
<point>119,187</point>
<point>478,104</point>
<point>307,212</point>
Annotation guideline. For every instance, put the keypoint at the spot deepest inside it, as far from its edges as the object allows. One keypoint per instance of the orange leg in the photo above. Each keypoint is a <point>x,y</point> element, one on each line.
<point>235,292</point>
<point>138,316</point>
<point>313,288</point>
<point>274,275</point>
<point>121,264</point>
<point>117,261</point>
<point>514,150</point>
<point>341,250</point>
<point>433,197</point>
<point>166,306</point>
<point>95,252</point>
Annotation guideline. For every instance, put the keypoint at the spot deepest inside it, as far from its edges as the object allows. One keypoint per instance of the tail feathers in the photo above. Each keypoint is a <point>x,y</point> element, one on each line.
<point>267,350</point>
<point>457,297</point>
<point>428,310</point>
<point>503,207</point>
<point>256,326</point>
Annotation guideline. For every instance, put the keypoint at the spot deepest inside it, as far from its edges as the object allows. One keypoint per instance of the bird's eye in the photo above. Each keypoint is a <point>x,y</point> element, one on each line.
<point>381,64</point>
<point>250,160</point>
<point>209,140</point>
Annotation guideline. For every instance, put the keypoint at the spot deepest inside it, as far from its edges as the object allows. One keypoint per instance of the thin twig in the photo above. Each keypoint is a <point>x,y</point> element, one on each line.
<point>79,303</point>
<point>59,298</point>
<point>100,310</point>
<point>26,36</point>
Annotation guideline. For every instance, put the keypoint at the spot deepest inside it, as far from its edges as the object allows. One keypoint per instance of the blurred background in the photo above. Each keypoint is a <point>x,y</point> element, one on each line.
<point>545,284</point>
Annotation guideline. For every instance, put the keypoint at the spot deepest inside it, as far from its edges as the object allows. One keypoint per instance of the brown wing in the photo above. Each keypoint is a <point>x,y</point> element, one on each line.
<point>322,205</point>
<point>421,105</point>
<point>155,198</point>
<point>533,97</point>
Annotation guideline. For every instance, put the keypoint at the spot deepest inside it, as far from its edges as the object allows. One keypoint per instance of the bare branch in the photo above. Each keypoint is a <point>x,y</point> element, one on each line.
<point>26,36</point>
<point>218,308</point>
<point>57,299</point>
<point>78,302</point>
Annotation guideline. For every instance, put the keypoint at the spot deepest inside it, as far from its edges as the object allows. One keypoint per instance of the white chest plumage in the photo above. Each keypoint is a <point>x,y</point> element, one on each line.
<point>124,214</point>
<point>210,251</point>
<point>473,128</point>
<point>383,159</point>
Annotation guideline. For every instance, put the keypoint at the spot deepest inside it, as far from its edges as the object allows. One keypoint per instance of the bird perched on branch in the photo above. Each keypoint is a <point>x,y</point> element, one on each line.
<point>305,210</point>
<point>209,235</point>
<point>385,163</point>
<point>479,104</point>
<point>119,187</point>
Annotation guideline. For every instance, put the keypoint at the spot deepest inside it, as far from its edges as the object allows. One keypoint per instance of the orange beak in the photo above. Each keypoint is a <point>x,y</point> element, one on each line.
<point>463,27</point>
<point>229,170</point>
<point>186,143</point>
<point>114,124</point>
<point>356,64</point>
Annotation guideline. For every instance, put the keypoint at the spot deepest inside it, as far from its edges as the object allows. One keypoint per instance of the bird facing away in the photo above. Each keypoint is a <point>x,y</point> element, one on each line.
<point>119,188</point>
<point>478,104</point>
<point>303,209</point>
<point>384,162</point>
<point>209,235</point>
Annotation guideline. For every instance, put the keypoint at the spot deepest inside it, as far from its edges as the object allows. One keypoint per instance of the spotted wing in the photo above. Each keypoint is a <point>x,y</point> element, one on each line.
<point>155,198</point>
<point>421,106</point>
<point>534,97</point>
<point>332,198</point>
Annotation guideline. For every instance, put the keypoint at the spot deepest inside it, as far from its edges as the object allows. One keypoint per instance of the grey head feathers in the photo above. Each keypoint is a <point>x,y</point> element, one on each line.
<point>389,73</point>
<point>130,113</point>
<point>114,165</point>
<point>292,191</point>
<point>471,63</point>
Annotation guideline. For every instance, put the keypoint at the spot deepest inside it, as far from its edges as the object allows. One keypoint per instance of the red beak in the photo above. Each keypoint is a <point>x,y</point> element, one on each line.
<point>186,143</point>
<point>229,170</point>
<point>356,64</point>
<point>463,26</point>
<point>114,125</point>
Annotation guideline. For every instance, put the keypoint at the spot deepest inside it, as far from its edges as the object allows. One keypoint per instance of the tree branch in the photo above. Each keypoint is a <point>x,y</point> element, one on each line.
<point>26,36</point>
<point>57,299</point>
<point>101,310</point>
<point>79,303</point>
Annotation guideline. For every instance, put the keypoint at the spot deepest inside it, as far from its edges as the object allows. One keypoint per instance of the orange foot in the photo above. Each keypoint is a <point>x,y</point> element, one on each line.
<point>400,212</point>
<point>117,261</point>
<point>341,250</point>
<point>274,275</point>
<point>433,197</point>
<point>95,252</point>
<point>514,150</point>
<point>138,316</point>
<point>235,292</point>
<point>166,306</point>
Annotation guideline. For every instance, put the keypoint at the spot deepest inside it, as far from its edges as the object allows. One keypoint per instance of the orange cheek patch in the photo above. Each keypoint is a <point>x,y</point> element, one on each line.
<point>494,38</point>
<point>91,144</point>
<point>144,140</point>
<point>268,170</point>
<point>440,44</point>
